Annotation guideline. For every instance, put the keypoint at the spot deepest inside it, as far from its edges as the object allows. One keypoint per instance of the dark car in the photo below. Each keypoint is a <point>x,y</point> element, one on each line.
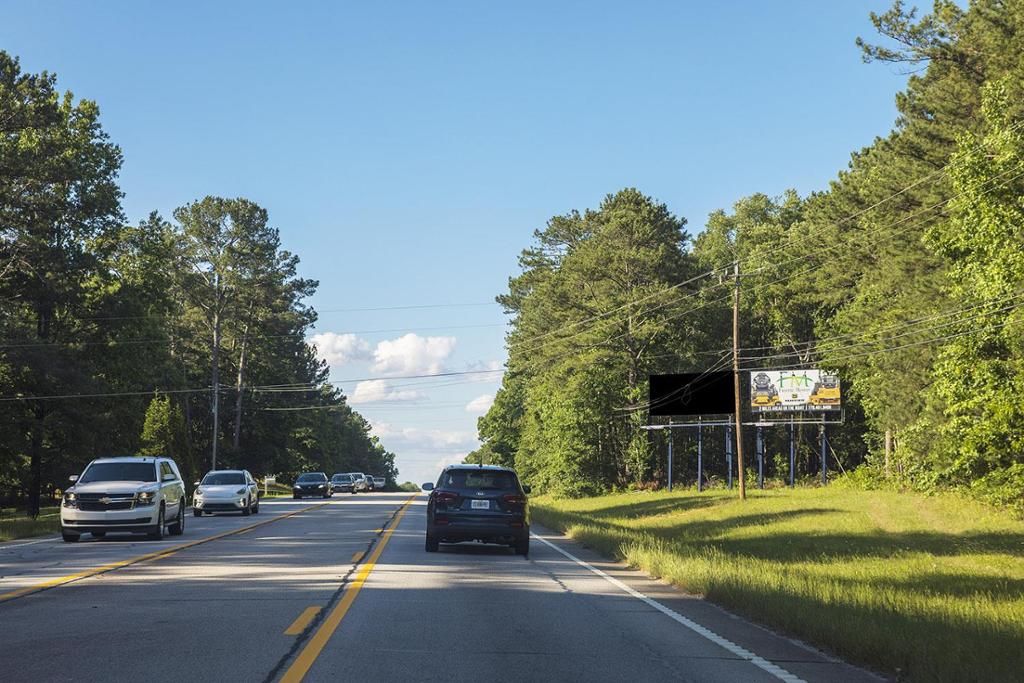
<point>311,484</point>
<point>342,483</point>
<point>474,503</point>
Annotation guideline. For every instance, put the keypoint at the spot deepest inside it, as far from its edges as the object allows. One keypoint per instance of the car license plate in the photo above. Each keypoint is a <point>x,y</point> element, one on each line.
<point>480,504</point>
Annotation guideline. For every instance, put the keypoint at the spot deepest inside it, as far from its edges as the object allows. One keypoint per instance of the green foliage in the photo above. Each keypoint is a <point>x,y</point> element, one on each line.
<point>592,320</point>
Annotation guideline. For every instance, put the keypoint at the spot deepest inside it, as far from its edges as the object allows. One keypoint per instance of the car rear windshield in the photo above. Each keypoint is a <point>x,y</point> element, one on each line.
<point>223,478</point>
<point>315,476</point>
<point>119,471</point>
<point>341,477</point>
<point>481,480</point>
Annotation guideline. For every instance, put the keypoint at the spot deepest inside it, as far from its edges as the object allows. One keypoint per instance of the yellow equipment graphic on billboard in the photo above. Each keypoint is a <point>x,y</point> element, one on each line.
<point>794,390</point>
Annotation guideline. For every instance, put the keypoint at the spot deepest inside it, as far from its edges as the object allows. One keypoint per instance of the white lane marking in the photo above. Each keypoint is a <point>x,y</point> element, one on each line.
<point>51,539</point>
<point>732,647</point>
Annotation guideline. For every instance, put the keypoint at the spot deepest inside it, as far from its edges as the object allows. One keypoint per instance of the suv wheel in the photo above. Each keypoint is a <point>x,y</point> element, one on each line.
<point>247,510</point>
<point>432,544</point>
<point>523,547</point>
<point>157,533</point>
<point>99,534</point>
<point>197,512</point>
<point>256,506</point>
<point>177,528</point>
<point>69,538</point>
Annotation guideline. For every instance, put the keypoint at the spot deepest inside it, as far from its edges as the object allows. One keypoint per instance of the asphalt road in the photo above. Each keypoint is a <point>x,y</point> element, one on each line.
<point>344,589</point>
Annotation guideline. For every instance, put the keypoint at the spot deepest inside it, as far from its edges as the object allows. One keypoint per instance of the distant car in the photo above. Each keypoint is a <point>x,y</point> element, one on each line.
<point>370,485</point>
<point>379,483</point>
<point>137,495</point>
<point>311,484</point>
<point>342,483</point>
<point>360,481</point>
<point>478,503</point>
<point>226,491</point>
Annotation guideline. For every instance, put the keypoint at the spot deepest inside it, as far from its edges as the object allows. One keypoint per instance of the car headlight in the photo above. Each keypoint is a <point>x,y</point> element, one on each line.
<point>199,492</point>
<point>145,497</point>
<point>321,486</point>
<point>71,499</point>
<point>240,491</point>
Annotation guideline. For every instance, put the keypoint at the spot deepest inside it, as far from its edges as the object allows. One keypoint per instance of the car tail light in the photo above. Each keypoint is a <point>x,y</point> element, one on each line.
<point>515,524</point>
<point>514,499</point>
<point>445,497</point>
<point>441,521</point>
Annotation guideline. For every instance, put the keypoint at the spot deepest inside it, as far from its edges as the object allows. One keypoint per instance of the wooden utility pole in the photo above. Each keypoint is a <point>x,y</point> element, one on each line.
<point>736,377</point>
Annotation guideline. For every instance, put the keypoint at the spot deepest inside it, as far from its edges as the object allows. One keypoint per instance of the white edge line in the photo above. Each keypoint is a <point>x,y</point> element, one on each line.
<point>18,545</point>
<point>732,647</point>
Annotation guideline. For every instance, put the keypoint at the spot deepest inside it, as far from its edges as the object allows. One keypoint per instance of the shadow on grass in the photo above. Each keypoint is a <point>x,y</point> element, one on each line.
<point>650,508</point>
<point>811,545</point>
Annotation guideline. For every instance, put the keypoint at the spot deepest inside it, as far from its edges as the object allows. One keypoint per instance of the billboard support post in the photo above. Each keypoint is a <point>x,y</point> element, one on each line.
<point>728,453</point>
<point>670,456</point>
<point>760,458</point>
<point>792,453</point>
<point>824,461</point>
<point>700,455</point>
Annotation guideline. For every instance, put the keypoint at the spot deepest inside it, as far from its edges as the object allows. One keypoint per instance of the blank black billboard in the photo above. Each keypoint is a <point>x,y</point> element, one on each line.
<point>695,393</point>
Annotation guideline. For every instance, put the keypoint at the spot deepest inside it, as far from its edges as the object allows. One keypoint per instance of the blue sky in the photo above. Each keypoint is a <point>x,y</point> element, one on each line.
<point>407,150</point>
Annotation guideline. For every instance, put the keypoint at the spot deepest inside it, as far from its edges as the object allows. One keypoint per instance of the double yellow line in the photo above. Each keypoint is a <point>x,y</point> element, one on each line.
<point>61,580</point>
<point>300,667</point>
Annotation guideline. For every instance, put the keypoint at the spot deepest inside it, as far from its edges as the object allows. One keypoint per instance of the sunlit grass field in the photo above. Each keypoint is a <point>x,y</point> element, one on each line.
<point>925,588</point>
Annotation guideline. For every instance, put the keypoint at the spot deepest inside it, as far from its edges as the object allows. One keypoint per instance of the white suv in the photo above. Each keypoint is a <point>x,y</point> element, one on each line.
<point>139,495</point>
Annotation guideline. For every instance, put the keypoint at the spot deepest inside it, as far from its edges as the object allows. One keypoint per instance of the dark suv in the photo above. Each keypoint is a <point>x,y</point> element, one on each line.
<point>474,503</point>
<point>311,484</point>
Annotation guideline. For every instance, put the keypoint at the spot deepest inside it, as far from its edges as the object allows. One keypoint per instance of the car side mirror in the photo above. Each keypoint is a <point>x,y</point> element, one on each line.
<point>526,488</point>
<point>427,487</point>
<point>73,478</point>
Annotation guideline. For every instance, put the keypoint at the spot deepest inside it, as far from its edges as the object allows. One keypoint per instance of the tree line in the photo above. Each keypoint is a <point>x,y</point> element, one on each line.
<point>905,275</point>
<point>114,336</point>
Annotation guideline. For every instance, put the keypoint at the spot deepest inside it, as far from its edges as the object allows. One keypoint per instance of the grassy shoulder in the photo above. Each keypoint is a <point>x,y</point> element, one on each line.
<point>931,588</point>
<point>15,525</point>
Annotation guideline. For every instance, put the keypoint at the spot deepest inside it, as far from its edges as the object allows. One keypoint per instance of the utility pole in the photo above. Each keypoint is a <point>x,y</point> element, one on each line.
<point>736,376</point>
<point>215,372</point>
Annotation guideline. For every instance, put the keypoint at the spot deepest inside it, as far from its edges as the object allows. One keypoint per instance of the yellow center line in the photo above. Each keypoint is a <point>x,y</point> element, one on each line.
<point>103,569</point>
<point>300,667</point>
<point>300,624</point>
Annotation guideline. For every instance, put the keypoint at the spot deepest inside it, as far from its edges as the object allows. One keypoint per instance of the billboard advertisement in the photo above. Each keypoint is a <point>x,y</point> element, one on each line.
<point>698,393</point>
<point>783,391</point>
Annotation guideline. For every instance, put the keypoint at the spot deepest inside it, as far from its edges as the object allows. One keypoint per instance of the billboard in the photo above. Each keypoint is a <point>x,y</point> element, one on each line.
<point>695,393</point>
<point>781,391</point>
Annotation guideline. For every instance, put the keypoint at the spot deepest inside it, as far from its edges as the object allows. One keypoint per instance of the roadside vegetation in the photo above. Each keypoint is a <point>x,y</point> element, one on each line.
<point>15,524</point>
<point>925,588</point>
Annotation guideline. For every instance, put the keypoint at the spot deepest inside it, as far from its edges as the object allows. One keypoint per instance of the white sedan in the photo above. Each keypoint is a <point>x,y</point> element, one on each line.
<point>226,491</point>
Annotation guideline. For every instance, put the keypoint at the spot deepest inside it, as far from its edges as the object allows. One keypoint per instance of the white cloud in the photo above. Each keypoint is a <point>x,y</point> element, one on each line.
<point>485,365</point>
<point>412,354</point>
<point>480,404</point>
<point>402,438</point>
<point>340,349</point>
<point>378,391</point>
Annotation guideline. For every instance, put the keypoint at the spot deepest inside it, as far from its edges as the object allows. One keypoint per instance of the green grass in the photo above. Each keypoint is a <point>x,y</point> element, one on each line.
<point>928,588</point>
<point>14,525</point>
